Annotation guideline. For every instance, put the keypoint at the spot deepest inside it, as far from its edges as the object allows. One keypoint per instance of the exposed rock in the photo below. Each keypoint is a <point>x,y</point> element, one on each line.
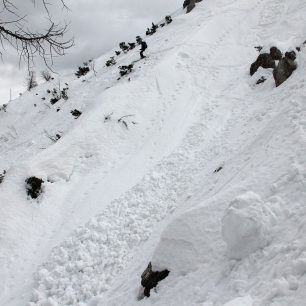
<point>276,53</point>
<point>266,60</point>
<point>190,5</point>
<point>34,187</point>
<point>150,279</point>
<point>285,68</point>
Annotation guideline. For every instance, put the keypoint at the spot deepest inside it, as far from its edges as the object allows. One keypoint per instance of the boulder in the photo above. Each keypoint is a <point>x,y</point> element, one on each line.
<point>276,54</point>
<point>266,60</point>
<point>150,279</point>
<point>285,68</point>
<point>190,5</point>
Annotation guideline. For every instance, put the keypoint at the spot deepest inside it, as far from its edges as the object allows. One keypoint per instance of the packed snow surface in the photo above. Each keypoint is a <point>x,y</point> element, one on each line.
<point>204,175</point>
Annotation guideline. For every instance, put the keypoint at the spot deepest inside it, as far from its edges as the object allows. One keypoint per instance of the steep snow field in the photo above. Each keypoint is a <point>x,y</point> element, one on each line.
<point>117,197</point>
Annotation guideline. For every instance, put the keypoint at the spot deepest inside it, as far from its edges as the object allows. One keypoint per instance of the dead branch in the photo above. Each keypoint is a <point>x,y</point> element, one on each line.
<point>28,44</point>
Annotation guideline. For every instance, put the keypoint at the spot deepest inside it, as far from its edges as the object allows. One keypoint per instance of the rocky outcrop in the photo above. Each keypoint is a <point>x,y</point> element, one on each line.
<point>150,279</point>
<point>285,68</point>
<point>190,5</point>
<point>266,60</point>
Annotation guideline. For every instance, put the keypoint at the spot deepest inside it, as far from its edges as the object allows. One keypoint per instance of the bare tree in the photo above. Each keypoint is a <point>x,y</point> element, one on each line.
<point>14,31</point>
<point>31,81</point>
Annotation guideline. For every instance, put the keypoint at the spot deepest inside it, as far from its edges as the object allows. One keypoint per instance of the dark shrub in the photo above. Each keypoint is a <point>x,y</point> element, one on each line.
<point>82,71</point>
<point>34,187</point>
<point>111,62</point>
<point>124,70</point>
<point>168,19</point>
<point>124,47</point>
<point>76,113</point>
<point>132,45</point>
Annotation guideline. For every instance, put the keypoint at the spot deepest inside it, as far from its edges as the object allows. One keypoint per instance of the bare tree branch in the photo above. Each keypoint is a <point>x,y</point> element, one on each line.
<point>46,44</point>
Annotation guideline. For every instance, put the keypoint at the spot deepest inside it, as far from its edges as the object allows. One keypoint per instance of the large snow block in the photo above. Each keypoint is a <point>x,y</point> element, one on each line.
<point>185,243</point>
<point>246,225</point>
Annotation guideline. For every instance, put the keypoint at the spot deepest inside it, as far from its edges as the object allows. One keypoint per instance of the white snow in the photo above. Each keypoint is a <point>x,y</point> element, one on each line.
<point>117,197</point>
<point>246,225</point>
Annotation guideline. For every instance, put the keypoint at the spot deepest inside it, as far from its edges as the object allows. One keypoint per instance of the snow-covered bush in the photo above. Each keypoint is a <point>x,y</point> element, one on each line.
<point>246,225</point>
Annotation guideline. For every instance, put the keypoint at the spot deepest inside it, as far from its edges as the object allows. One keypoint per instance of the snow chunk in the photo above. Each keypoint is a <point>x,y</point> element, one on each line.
<point>246,225</point>
<point>186,242</point>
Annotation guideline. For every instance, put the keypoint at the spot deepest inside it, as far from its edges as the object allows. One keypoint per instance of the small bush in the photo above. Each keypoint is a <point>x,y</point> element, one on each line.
<point>123,47</point>
<point>124,70</point>
<point>46,75</point>
<point>168,19</point>
<point>76,113</point>
<point>132,46</point>
<point>82,71</point>
<point>111,62</point>
<point>34,187</point>
<point>3,108</point>
<point>58,94</point>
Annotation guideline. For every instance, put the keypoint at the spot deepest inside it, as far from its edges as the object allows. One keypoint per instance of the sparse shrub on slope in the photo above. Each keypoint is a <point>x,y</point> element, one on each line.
<point>124,47</point>
<point>34,187</point>
<point>110,62</point>
<point>125,69</point>
<point>76,113</point>
<point>82,70</point>
<point>46,75</point>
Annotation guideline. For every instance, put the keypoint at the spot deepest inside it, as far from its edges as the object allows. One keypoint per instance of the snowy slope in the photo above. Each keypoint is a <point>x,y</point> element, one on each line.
<point>235,237</point>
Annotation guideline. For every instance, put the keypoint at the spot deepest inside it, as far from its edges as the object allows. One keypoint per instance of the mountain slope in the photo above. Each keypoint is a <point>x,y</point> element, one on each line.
<point>150,189</point>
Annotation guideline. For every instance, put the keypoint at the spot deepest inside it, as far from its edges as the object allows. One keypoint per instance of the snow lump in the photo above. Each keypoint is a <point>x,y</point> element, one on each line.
<point>246,225</point>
